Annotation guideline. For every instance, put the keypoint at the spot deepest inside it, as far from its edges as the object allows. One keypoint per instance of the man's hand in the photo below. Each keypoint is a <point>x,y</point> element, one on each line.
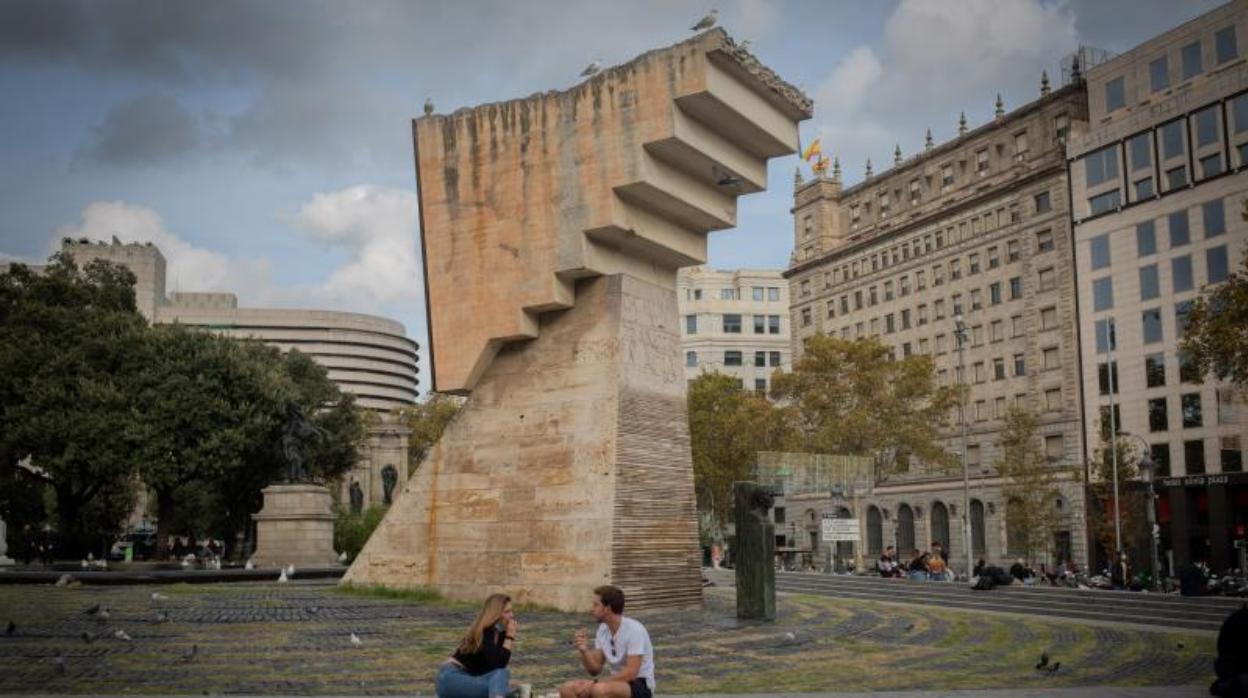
<point>581,641</point>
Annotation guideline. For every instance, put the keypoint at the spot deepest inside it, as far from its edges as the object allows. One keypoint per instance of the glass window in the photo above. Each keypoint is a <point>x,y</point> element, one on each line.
<point>1191,60</point>
<point>691,324</point>
<point>1155,370</point>
<point>730,294</point>
<point>1144,188</point>
<point>1152,325</point>
<point>1191,411</point>
<point>1181,273</point>
<point>757,293</point>
<point>1159,74</point>
<point>1047,279</point>
<point>1100,251</point>
<point>760,359</point>
<point>1105,339</point>
<point>1103,294</point>
<point>760,322</point>
<point>1016,288</point>
<point>1214,216</point>
<point>1115,94</point>
<point>1161,456</point>
<point>1107,377</point>
<point>1176,177</point>
<point>1020,365</point>
<point>1141,150</point>
<point>1225,46</point>
<point>1146,238</point>
<point>760,386</point>
<point>1232,455</point>
<point>1188,371</point>
<point>994,293</point>
<point>1101,166</point>
<point>1216,264</point>
<point>773,293</point>
<point>774,357</point>
<point>1181,310</point>
<point>1048,318</point>
<point>1172,140</point>
<point>1104,202</point>
<point>732,358</point>
<point>1150,285</point>
<point>1043,202</point>
<point>1207,126</point>
<point>691,359</point>
<point>1210,166</point>
<point>1180,234</point>
<point>1158,419</point>
<point>1052,358</point>
<point>1239,106</point>
<point>773,324</point>
<point>732,323</point>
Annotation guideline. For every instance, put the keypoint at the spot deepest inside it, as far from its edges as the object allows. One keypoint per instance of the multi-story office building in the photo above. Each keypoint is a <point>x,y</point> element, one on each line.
<point>976,227</point>
<point>735,322</point>
<point>1158,185</point>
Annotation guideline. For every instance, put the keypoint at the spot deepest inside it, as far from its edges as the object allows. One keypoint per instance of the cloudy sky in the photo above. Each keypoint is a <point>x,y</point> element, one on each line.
<point>265,146</point>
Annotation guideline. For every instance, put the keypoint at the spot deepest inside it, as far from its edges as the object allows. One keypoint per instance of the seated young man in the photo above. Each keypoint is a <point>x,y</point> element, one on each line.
<point>621,645</point>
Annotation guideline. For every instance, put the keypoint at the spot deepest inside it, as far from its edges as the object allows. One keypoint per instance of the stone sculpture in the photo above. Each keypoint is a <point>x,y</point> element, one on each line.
<point>756,552</point>
<point>296,433</point>
<point>389,478</point>
<point>357,497</point>
<point>552,228</point>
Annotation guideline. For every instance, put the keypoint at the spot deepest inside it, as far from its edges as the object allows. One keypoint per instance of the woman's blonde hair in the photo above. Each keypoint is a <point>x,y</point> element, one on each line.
<point>490,613</point>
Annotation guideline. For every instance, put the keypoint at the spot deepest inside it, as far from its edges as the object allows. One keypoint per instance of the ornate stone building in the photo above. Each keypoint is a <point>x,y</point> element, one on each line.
<point>1158,186</point>
<point>977,227</point>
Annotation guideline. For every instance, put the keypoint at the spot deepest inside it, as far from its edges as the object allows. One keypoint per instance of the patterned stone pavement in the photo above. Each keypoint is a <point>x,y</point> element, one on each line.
<point>266,638</point>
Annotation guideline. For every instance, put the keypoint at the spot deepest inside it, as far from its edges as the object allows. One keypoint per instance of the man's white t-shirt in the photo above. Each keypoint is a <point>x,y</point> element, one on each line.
<point>630,639</point>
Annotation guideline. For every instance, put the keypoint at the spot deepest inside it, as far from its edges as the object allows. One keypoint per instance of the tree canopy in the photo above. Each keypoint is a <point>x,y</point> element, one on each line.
<point>1030,491</point>
<point>1217,329</point>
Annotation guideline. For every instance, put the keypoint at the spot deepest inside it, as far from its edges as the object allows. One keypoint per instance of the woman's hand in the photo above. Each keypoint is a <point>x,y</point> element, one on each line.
<point>511,627</point>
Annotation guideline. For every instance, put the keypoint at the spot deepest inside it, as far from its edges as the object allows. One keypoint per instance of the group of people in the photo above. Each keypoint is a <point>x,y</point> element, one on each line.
<point>922,565</point>
<point>620,662</point>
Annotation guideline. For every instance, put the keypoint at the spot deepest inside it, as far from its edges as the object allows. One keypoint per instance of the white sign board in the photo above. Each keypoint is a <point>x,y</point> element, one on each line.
<point>840,530</point>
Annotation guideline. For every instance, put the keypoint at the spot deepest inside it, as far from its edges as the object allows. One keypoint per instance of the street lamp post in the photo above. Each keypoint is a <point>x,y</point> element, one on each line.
<point>959,331</point>
<point>1148,470</point>
<point>1110,341</point>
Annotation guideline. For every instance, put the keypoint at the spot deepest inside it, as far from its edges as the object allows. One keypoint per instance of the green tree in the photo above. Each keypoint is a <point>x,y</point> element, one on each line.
<point>427,420</point>
<point>728,426</point>
<point>72,353</point>
<point>1130,501</point>
<point>1031,486</point>
<point>852,397</point>
<point>1217,329</point>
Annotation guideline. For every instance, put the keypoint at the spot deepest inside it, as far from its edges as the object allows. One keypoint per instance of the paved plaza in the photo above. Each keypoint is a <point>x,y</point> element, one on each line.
<point>267,638</point>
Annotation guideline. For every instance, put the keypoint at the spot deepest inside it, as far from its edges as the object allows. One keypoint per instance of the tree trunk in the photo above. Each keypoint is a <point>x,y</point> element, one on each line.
<point>164,514</point>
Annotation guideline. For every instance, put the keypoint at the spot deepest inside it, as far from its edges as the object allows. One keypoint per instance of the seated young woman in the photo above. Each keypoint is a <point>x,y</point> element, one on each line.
<point>478,668</point>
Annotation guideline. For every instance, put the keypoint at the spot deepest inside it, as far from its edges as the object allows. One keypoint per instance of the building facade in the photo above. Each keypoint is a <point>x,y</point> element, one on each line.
<point>367,356</point>
<point>1158,188</point>
<point>734,322</point>
<point>977,227</point>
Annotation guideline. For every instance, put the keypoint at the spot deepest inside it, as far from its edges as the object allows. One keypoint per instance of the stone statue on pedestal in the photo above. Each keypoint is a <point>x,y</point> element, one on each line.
<point>756,551</point>
<point>389,478</point>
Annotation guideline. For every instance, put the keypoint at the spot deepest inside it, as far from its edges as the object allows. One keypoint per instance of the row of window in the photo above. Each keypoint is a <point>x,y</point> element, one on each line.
<point>1157,160</point>
<point>1154,372</point>
<point>927,243</point>
<point>770,294</point>
<point>731,323</point>
<point>1178,227</point>
<point>1230,456</point>
<point>996,409</point>
<point>762,359</point>
<point>1182,278</point>
<point>1191,63</point>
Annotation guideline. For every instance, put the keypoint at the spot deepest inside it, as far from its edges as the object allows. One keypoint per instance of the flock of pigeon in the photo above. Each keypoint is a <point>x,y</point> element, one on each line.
<point>596,66</point>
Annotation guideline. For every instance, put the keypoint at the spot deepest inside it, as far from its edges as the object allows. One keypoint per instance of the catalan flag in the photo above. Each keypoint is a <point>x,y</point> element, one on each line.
<point>812,150</point>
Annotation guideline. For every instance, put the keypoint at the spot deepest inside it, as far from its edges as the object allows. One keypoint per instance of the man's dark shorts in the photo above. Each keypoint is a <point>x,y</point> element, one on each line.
<point>639,688</point>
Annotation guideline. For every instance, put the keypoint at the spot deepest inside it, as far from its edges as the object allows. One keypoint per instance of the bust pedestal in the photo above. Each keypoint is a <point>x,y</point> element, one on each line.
<point>295,527</point>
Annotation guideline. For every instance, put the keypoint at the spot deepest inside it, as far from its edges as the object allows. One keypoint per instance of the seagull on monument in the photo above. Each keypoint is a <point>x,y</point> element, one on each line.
<point>593,68</point>
<point>290,570</point>
<point>428,106</point>
<point>250,565</point>
<point>706,22</point>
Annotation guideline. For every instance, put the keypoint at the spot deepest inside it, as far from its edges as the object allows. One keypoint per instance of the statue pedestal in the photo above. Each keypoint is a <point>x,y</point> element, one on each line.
<point>295,527</point>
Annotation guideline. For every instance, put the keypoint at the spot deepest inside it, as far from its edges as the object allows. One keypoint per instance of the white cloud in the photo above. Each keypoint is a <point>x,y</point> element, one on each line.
<point>758,19</point>
<point>936,60</point>
<point>188,267</point>
<point>377,226</point>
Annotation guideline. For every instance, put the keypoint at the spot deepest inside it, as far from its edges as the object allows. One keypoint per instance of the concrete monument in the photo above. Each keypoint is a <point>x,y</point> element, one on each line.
<point>756,552</point>
<point>552,228</point>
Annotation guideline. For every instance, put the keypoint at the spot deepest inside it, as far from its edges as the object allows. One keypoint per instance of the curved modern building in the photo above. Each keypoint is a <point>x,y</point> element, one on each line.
<point>368,356</point>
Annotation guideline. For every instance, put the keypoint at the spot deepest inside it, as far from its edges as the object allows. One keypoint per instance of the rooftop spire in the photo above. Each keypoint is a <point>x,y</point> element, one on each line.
<point>797,177</point>
<point>962,124</point>
<point>1044,83</point>
<point>869,173</point>
<point>1000,107</point>
<point>1076,74</point>
<point>896,154</point>
<point>836,170</point>
<point>927,142</point>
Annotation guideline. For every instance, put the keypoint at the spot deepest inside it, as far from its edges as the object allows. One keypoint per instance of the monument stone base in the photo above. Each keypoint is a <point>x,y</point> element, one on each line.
<point>295,527</point>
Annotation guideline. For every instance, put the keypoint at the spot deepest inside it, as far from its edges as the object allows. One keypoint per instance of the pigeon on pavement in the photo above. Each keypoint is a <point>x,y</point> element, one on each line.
<point>10,629</point>
<point>189,655</point>
<point>1044,660</point>
<point>355,640</point>
<point>122,635</point>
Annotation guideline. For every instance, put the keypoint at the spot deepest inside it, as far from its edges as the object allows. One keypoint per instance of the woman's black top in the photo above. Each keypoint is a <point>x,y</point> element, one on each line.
<point>490,656</point>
